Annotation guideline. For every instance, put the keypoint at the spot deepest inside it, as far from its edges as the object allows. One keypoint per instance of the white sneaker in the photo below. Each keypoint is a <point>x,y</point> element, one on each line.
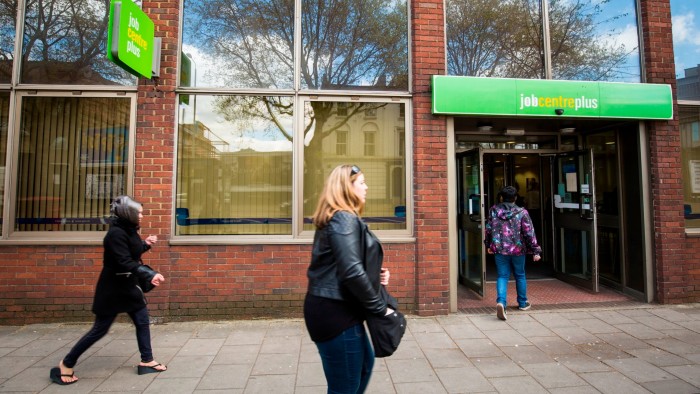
<point>525,307</point>
<point>501,311</point>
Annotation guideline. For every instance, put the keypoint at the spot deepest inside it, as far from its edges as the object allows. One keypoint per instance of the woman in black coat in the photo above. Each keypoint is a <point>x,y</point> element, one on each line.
<point>118,289</point>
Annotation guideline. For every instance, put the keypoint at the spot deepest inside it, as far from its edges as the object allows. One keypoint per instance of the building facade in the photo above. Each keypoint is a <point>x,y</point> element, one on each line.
<point>255,101</point>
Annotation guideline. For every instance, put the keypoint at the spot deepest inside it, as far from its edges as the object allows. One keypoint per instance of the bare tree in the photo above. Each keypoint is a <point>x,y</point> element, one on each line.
<point>503,38</point>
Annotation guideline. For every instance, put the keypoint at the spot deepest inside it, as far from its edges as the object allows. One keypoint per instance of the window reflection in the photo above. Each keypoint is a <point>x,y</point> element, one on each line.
<point>234,165</point>
<point>689,118</point>
<point>384,171</point>
<point>4,119</point>
<point>589,39</point>
<point>64,43</point>
<point>8,12</point>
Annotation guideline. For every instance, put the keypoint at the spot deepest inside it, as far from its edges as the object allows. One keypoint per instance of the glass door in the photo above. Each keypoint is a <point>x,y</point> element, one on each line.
<point>574,218</point>
<point>470,220</point>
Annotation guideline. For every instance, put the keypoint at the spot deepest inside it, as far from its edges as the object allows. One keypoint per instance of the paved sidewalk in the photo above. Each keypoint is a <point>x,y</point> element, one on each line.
<point>630,349</point>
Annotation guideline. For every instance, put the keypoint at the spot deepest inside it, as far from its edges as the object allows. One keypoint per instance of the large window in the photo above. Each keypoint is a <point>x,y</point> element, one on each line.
<point>8,13</point>
<point>256,141</point>
<point>344,44</point>
<point>686,24</point>
<point>385,170</point>
<point>64,43</point>
<point>72,161</point>
<point>4,122</point>
<point>587,39</point>
<point>234,165</point>
<point>689,117</point>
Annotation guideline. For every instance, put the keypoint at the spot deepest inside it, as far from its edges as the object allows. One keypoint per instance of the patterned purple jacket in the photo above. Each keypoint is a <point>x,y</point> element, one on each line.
<point>509,231</point>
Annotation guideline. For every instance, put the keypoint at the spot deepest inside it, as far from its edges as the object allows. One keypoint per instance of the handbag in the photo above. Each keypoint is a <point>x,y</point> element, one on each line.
<point>146,274</point>
<point>386,331</point>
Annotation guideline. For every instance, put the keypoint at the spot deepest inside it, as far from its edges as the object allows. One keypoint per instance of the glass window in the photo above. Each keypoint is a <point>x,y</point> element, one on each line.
<point>686,46</point>
<point>385,172</point>
<point>369,132</point>
<point>64,43</point>
<point>594,40</point>
<point>494,38</point>
<point>341,145</point>
<point>354,44</point>
<point>240,43</point>
<point>689,117</point>
<point>4,123</point>
<point>588,39</point>
<point>8,13</point>
<point>234,165</point>
<point>72,161</point>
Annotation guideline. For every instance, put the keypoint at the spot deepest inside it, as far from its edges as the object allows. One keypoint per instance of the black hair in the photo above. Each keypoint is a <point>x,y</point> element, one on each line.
<point>508,193</point>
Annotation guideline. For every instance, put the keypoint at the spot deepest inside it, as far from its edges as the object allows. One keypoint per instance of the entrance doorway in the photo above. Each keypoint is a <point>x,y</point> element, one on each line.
<point>573,187</point>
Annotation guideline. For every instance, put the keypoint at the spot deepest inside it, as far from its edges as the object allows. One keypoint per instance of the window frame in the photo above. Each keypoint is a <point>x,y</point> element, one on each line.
<point>9,234</point>
<point>693,232</point>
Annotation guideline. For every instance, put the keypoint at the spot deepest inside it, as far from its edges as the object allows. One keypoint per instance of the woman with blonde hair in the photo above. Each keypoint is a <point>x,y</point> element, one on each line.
<point>345,275</point>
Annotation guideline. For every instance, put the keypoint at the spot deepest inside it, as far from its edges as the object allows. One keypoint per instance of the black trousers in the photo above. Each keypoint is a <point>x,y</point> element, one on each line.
<point>101,328</point>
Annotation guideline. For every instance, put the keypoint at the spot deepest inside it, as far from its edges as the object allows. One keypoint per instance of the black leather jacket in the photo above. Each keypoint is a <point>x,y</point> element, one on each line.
<point>346,262</point>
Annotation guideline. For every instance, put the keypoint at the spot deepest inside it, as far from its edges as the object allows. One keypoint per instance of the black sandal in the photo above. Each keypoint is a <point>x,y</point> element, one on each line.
<point>55,375</point>
<point>145,369</point>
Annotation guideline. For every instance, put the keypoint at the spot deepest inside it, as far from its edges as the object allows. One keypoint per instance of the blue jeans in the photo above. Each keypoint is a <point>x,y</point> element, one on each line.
<point>347,360</point>
<point>504,266</point>
<point>101,328</point>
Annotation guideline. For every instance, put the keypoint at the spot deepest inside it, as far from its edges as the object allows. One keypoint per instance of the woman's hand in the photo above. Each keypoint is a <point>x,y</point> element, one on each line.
<point>536,257</point>
<point>157,279</point>
<point>384,276</point>
<point>150,240</point>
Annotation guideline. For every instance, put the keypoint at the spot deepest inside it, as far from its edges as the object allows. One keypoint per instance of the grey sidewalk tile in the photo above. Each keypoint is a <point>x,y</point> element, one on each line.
<point>640,331</point>
<point>213,330</point>
<point>694,358</point>
<point>122,379</point>
<point>553,375</point>
<point>518,385</point>
<point>410,371</point>
<point>675,386</point>
<point>266,384</point>
<point>602,351</point>
<point>658,357</point>
<point>408,349</point>
<point>188,366</point>
<point>423,325</point>
<point>201,347</point>
<point>475,348</point>
<point>684,335</point>
<point>28,380</point>
<point>434,340</point>
<point>587,389</point>
<point>612,383</point>
<point>464,330</point>
<point>309,353</point>
<point>639,370</point>
<point>117,347</point>
<point>170,338</point>
<point>636,312</point>
<point>554,345</point>
<point>531,328</point>
<point>311,374</point>
<point>224,377</point>
<point>623,341</point>
<point>243,354</point>
<point>553,320</point>
<point>281,344</point>
<point>596,326</point>
<point>246,336</point>
<point>172,386</point>
<point>419,388</point>
<point>657,323</point>
<point>526,354</point>
<point>612,317</point>
<point>102,367</point>
<point>689,373</point>
<point>488,322</point>
<point>380,383</point>
<point>576,315</point>
<point>580,363</point>
<point>693,325</point>
<point>493,367</point>
<point>675,346</point>
<point>507,337</point>
<point>85,386</point>
<point>575,335</point>
<point>11,366</point>
<point>672,314</point>
<point>276,364</point>
<point>447,358</point>
<point>463,380</point>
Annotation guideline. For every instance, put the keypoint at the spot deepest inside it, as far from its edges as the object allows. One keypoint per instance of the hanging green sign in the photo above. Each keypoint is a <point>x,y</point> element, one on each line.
<point>130,38</point>
<point>454,95</point>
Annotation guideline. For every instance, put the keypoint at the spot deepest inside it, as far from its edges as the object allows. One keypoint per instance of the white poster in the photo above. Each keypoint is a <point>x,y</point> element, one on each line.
<point>695,175</point>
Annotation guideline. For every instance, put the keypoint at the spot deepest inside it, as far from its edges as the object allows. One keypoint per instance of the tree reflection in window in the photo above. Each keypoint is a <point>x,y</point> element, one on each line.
<point>64,43</point>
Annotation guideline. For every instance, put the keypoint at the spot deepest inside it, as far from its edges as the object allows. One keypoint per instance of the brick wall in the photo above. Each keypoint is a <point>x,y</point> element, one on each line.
<point>429,161</point>
<point>677,267</point>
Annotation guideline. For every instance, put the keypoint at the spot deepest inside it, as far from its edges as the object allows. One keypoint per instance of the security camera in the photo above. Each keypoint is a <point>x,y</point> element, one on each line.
<point>559,111</point>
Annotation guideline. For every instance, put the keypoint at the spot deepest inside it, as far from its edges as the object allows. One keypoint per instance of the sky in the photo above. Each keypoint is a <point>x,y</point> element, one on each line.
<point>685,16</point>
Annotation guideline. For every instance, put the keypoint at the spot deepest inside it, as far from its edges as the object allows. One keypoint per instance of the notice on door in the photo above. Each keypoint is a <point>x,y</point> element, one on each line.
<point>571,183</point>
<point>695,175</point>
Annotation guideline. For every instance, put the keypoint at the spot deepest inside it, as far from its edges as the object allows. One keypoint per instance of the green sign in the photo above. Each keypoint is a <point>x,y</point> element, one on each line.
<point>130,38</point>
<point>454,95</point>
